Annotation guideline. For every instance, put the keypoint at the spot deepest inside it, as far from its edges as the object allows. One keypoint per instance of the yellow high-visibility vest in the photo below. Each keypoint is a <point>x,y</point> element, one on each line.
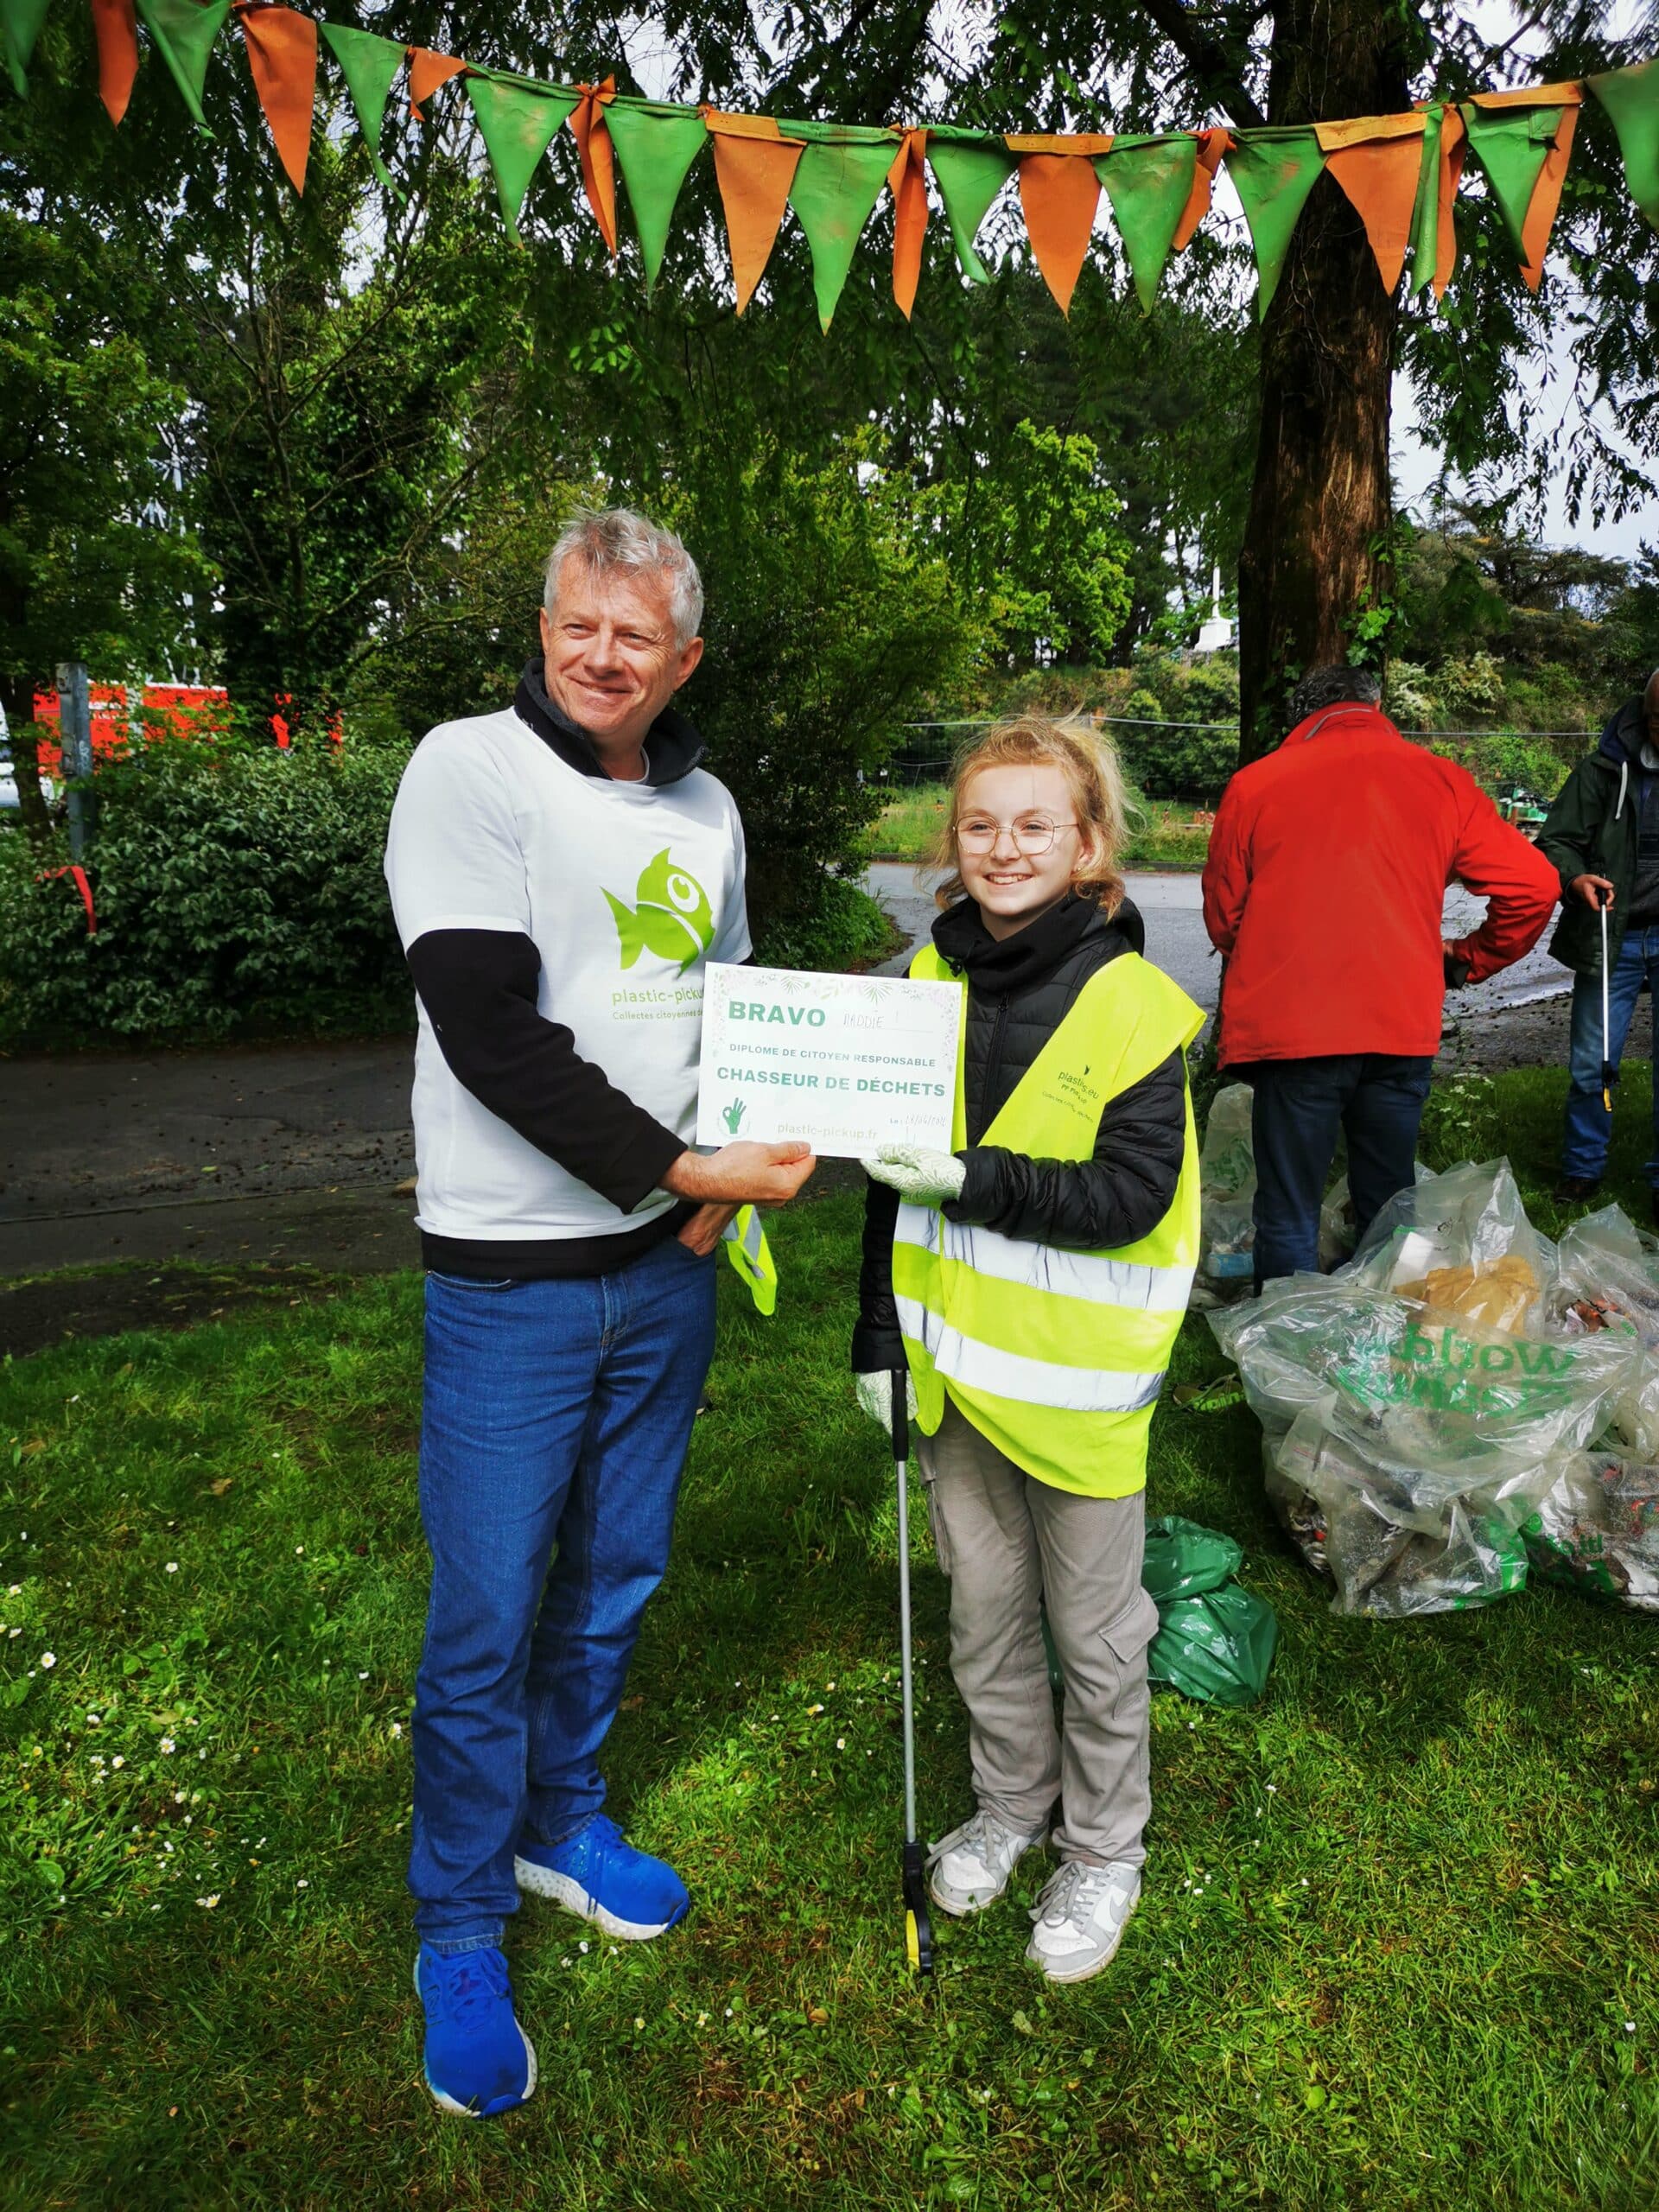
<point>746,1246</point>
<point>1056,1356</point>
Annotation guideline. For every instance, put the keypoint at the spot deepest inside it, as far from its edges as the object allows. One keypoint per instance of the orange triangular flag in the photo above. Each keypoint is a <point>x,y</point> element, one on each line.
<point>907,180</point>
<point>1377,159</point>
<point>754,167</point>
<point>427,71</point>
<point>1213,145</point>
<point>598,155</point>
<point>1058,192</point>
<point>282,55</point>
<point>116,23</point>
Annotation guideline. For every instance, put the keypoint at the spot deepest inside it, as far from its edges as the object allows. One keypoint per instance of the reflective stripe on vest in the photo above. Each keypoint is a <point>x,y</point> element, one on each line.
<point>745,1244</point>
<point>1058,1356</point>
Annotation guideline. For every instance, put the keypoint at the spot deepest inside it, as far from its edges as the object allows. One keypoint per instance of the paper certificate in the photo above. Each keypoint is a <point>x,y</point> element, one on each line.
<point>843,1063</point>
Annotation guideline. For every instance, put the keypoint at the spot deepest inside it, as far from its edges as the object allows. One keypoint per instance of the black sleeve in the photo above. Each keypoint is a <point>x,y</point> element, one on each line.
<point>478,990</point>
<point>1097,1204</point>
<point>877,1344</point>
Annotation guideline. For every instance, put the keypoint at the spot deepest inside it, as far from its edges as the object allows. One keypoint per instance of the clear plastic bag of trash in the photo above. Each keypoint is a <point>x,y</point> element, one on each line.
<point>1439,1386</point>
<point>1460,1243</point>
<point>1227,1192</point>
<point>1607,1279</point>
<point>1597,1530</point>
<point>1395,1544</point>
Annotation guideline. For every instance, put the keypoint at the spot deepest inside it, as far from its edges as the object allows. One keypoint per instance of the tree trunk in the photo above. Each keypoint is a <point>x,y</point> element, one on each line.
<point>1319,502</point>
<point>18,700</point>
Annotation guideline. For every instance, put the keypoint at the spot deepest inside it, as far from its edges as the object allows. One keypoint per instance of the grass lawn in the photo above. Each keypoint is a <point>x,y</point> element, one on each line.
<point>1397,1947</point>
<point>1166,835</point>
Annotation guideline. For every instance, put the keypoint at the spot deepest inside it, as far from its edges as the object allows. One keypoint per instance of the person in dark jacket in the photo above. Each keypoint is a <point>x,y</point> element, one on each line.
<point>1041,1272</point>
<point>1602,838</point>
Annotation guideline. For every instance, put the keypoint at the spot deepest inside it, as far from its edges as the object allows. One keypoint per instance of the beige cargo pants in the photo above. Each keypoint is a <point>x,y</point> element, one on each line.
<point>1009,1543</point>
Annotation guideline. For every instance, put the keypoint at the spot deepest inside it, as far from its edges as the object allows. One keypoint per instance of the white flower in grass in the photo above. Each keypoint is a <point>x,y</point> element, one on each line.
<point>209,1901</point>
<point>168,1744</point>
<point>1629,2027</point>
<point>172,1566</point>
<point>117,1760</point>
<point>301,1883</point>
<point>49,1658</point>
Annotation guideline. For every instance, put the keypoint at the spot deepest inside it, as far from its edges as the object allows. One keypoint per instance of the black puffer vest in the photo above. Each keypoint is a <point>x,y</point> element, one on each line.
<point>1021,989</point>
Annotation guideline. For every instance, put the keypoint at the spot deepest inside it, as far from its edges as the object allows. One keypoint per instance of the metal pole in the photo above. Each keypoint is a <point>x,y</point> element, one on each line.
<point>904,1657</point>
<point>75,730</point>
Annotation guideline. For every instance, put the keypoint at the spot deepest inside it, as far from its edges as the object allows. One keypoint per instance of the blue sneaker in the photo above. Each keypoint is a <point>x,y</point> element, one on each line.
<point>479,2060</point>
<point>594,1873</point>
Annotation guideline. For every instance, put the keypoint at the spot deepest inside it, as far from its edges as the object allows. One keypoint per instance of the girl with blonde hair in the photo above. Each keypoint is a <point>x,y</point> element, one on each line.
<point>1029,1286</point>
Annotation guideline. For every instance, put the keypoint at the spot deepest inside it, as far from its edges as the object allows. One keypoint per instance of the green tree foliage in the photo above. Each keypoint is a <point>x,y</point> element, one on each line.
<point>1040,541</point>
<point>830,619</point>
<point>94,564</point>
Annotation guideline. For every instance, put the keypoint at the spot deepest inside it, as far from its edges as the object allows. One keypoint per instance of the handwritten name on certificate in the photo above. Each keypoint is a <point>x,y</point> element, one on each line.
<point>842,1063</point>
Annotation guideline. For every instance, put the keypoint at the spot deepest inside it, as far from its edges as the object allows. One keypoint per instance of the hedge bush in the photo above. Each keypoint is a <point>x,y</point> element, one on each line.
<point>237,891</point>
<point>240,892</point>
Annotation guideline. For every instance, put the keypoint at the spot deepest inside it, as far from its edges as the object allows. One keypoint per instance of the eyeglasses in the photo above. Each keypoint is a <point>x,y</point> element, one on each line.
<point>1032,834</point>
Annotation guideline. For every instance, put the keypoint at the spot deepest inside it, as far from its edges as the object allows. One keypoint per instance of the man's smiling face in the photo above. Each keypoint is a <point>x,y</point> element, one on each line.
<point>611,660</point>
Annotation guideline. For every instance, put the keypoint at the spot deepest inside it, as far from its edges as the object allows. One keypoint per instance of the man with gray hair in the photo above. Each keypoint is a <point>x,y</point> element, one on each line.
<point>560,872</point>
<point>1325,889</point>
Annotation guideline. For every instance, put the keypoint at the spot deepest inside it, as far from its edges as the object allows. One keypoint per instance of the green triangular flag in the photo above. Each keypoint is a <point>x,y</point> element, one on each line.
<point>1273,172</point>
<point>184,31</point>
<point>837,183</point>
<point>1631,99</point>
<point>1148,181</point>
<point>368,63</point>
<point>19,26</point>
<point>1513,143</point>
<point>655,145</point>
<point>1426,208</point>
<point>517,117</point>
<point>969,170</point>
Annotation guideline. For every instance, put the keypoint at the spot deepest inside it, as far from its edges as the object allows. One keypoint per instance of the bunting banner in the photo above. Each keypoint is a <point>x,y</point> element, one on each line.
<point>1401,173</point>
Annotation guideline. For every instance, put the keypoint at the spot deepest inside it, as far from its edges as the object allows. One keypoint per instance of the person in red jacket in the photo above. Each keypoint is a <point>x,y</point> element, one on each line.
<point>1324,890</point>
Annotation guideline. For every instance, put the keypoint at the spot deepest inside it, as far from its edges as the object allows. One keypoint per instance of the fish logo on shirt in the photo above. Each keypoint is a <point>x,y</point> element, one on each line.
<point>673,917</point>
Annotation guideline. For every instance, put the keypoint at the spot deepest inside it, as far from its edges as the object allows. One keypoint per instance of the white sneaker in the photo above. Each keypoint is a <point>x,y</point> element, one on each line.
<point>969,1868</point>
<point>1080,1918</point>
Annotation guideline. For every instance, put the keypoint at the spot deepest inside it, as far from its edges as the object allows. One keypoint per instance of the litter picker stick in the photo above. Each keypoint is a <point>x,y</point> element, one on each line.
<point>1609,1072</point>
<point>918,1933</point>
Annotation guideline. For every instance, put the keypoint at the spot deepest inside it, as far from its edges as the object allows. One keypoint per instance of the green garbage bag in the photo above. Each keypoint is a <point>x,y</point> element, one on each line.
<point>1184,1560</point>
<point>1216,1648</point>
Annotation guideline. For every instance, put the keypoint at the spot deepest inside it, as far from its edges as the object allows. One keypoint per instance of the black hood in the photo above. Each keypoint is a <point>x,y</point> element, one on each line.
<point>673,749</point>
<point>1025,958</point>
<point>1625,733</point>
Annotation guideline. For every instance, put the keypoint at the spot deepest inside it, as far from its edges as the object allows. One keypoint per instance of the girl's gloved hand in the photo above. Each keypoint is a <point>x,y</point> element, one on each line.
<point>925,1179</point>
<point>876,1397</point>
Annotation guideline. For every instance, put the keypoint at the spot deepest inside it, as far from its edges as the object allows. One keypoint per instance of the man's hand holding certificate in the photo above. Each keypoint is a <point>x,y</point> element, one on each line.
<point>846,1063</point>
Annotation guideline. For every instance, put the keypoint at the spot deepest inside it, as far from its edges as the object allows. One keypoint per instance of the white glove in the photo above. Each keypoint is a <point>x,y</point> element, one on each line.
<point>876,1397</point>
<point>927,1179</point>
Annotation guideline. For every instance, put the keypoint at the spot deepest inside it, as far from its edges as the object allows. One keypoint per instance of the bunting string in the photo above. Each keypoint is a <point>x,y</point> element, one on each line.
<point>1402,173</point>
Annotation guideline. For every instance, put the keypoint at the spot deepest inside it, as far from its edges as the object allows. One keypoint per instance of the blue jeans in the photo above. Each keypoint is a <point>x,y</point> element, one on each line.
<point>1589,1125</point>
<point>554,1425</point>
<point>1375,1098</point>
